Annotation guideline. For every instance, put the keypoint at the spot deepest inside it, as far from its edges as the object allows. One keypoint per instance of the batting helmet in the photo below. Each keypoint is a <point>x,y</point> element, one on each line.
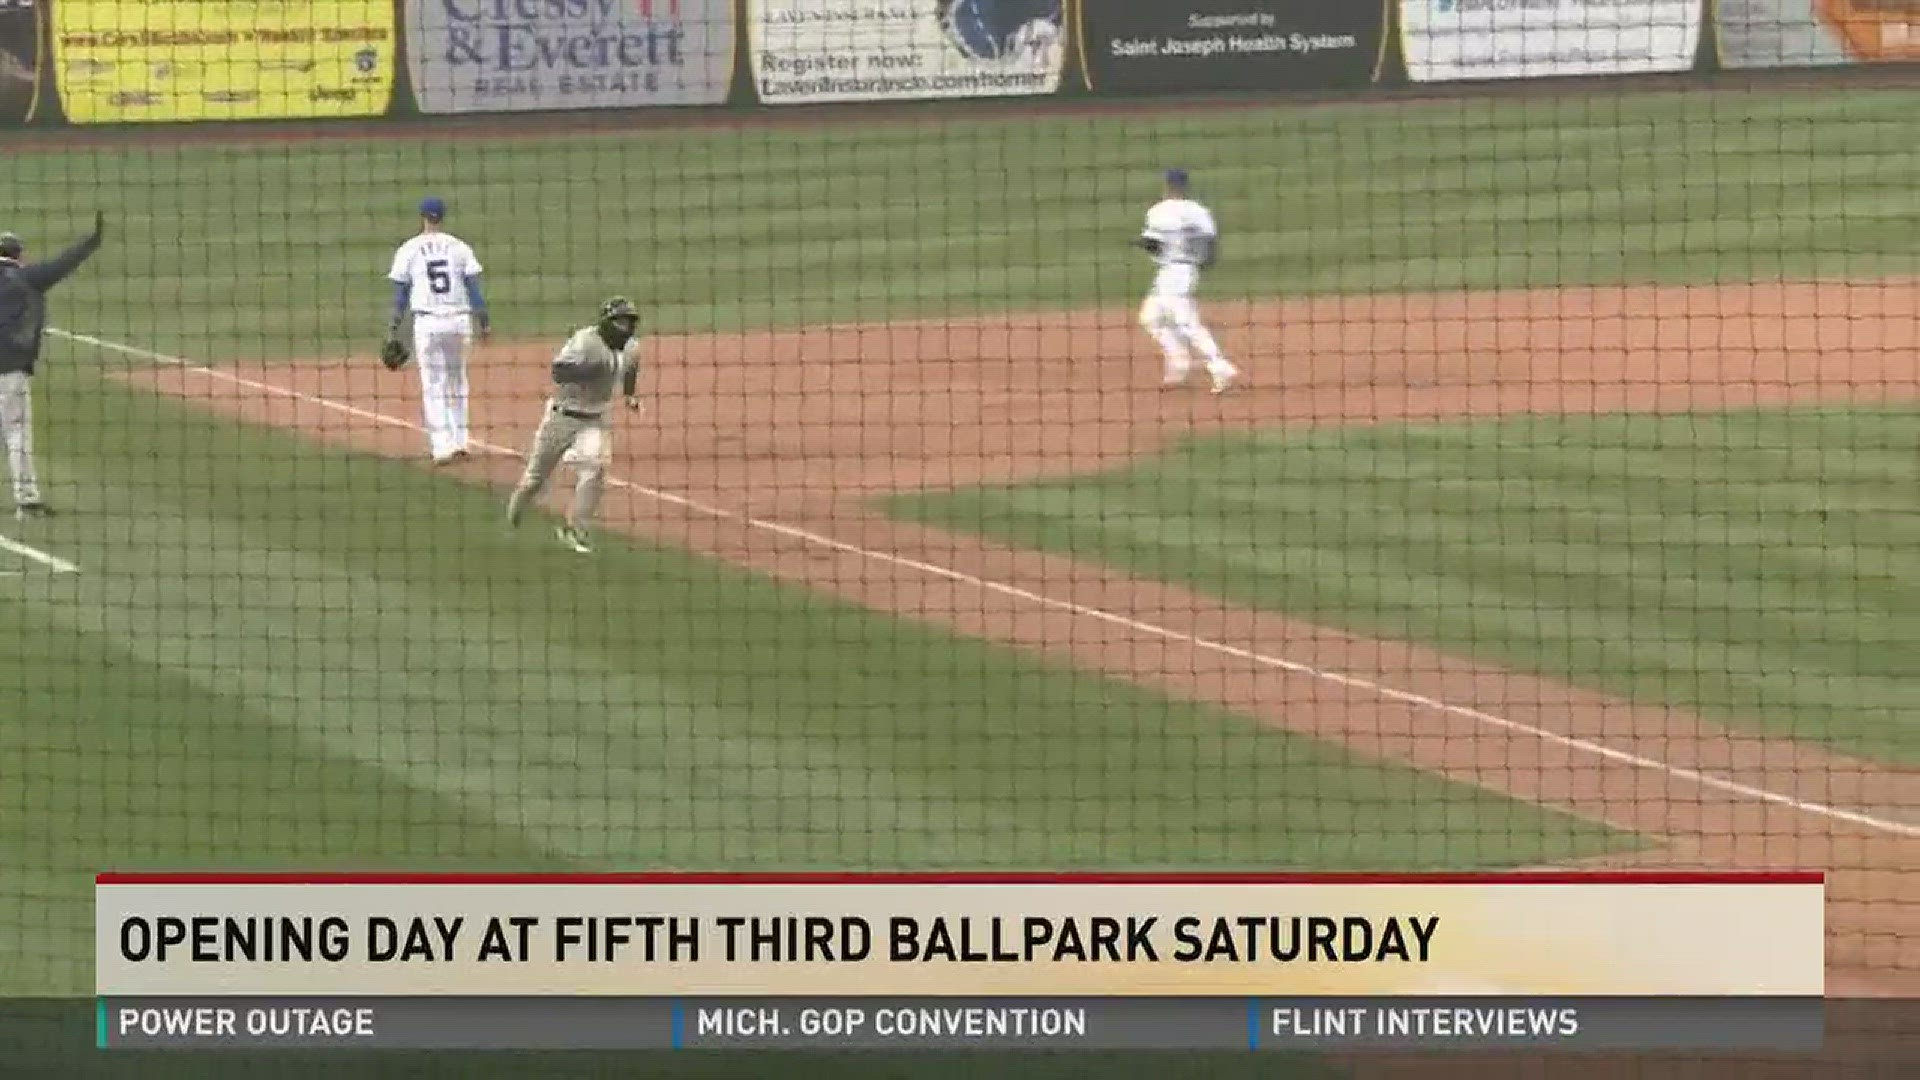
<point>11,246</point>
<point>619,308</point>
<point>619,319</point>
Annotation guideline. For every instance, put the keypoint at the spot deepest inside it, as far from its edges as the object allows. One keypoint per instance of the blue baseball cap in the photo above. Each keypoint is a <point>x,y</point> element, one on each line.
<point>433,207</point>
<point>1176,176</point>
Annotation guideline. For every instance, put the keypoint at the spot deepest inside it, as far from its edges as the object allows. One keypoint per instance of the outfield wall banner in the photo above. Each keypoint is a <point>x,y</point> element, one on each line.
<point>469,56</point>
<point>1816,33</point>
<point>1446,40</point>
<point>156,61</point>
<point>19,59</point>
<point>898,50</point>
<point>1185,45</point>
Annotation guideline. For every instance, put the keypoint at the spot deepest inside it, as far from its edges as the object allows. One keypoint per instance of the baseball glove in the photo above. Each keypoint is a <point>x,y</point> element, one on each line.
<point>395,354</point>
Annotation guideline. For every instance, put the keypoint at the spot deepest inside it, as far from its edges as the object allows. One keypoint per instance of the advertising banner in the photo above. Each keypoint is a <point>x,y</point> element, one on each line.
<point>19,59</point>
<point>149,61</point>
<point>1187,45</point>
<point>900,50</point>
<point>1529,39</point>
<point>1817,33</point>
<point>468,56</point>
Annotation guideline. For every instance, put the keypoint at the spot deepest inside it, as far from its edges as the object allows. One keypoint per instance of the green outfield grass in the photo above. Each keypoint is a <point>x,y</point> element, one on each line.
<point>278,654</point>
<point>1758,567</point>
<point>279,249</point>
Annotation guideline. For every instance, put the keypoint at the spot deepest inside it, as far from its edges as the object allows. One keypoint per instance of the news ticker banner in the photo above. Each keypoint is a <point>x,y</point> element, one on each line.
<point>1188,45</point>
<point>130,61</point>
<point>807,51</point>
<point>479,56</point>
<point>932,935</point>
<point>19,59</point>
<point>1447,40</point>
<point>1816,33</point>
<point>964,1023</point>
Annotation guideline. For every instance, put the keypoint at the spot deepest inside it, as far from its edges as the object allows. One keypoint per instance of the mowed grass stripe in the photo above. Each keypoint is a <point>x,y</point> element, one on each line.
<point>279,249</point>
<point>642,708</point>
<point>1615,552</point>
<point>116,763</point>
<point>888,766</point>
<point>498,719</point>
<point>366,671</point>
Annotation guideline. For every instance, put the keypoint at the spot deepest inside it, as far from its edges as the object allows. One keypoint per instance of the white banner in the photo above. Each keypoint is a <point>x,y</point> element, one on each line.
<point>1447,40</point>
<point>879,50</point>
<point>473,56</point>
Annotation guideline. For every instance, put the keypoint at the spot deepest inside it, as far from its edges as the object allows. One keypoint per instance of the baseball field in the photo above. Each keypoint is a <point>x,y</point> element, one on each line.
<point>1567,514</point>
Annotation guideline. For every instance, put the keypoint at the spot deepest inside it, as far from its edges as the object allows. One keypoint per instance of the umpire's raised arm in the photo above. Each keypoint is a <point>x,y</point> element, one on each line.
<point>45,275</point>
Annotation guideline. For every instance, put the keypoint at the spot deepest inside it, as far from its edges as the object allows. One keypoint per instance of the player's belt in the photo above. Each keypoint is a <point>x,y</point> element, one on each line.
<point>575,414</point>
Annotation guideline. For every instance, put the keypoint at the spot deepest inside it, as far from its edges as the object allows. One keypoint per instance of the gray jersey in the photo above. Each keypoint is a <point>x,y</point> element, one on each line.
<point>586,372</point>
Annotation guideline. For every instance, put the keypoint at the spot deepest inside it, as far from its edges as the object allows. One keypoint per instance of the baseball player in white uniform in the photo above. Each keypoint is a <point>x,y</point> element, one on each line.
<point>1181,236</point>
<point>436,279</point>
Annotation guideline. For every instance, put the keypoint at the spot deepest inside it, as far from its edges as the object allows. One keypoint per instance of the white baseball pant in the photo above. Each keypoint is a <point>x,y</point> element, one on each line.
<point>16,430</point>
<point>1173,320</point>
<point>440,345</point>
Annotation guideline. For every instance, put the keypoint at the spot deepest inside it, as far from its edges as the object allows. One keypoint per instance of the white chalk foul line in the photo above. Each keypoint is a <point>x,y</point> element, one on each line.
<point>52,562</point>
<point>1355,682</point>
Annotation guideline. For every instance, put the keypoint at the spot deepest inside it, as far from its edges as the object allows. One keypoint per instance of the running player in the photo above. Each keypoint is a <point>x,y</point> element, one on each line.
<point>574,428</point>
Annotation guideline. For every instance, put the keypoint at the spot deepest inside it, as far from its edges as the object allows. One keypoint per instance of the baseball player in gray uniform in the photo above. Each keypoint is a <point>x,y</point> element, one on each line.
<point>574,429</point>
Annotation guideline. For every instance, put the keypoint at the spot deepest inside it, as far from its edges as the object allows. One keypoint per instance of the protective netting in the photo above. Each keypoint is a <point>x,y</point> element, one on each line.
<point>1476,469</point>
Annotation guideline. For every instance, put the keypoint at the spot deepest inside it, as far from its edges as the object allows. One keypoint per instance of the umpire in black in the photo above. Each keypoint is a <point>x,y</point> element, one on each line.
<point>23,321</point>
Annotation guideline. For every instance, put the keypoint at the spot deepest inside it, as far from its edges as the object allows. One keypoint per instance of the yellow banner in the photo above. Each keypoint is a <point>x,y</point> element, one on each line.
<point>151,61</point>
<point>1556,937</point>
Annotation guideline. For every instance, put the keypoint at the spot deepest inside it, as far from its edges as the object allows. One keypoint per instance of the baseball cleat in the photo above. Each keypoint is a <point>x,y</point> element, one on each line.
<point>32,510</point>
<point>575,539</point>
<point>1171,379</point>
<point>1224,383</point>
